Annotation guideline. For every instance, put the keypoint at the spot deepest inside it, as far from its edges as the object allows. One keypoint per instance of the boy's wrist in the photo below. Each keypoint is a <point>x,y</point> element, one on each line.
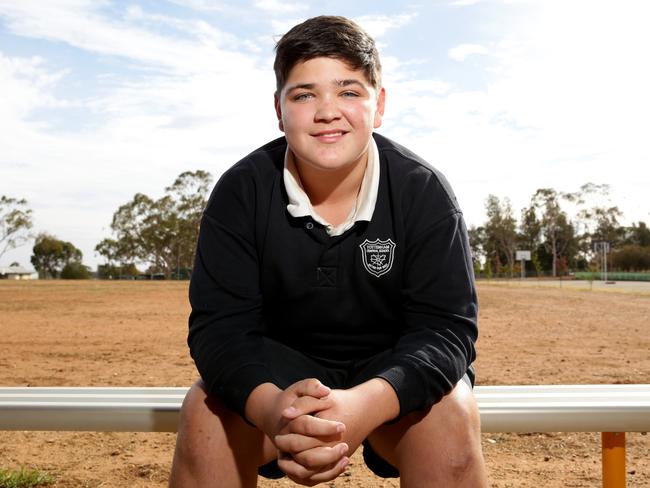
<point>257,405</point>
<point>380,399</point>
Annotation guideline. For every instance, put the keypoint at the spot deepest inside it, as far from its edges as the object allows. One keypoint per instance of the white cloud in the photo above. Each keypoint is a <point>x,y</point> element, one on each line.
<point>202,5</point>
<point>281,26</point>
<point>463,51</point>
<point>464,3</point>
<point>150,133</point>
<point>206,109</point>
<point>25,85</point>
<point>563,105</point>
<point>378,25</point>
<point>277,7</point>
<point>79,24</point>
<point>425,87</point>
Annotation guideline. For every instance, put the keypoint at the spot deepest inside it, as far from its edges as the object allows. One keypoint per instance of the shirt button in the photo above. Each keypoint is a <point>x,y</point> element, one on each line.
<point>309,226</point>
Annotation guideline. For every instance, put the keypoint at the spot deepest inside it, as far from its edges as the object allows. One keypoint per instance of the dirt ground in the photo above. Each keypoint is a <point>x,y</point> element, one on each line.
<point>133,333</point>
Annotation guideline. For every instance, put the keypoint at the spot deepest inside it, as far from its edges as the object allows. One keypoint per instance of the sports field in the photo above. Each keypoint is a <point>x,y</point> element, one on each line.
<point>94,333</point>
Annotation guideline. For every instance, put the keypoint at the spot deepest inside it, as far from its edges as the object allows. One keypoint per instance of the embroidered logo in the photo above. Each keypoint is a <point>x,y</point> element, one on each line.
<point>377,256</point>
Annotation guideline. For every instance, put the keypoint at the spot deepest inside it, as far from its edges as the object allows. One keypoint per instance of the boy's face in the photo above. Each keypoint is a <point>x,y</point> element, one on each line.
<point>328,112</point>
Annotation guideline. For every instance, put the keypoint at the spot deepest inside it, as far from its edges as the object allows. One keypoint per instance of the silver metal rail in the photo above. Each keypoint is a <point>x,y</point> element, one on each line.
<point>90,409</point>
<point>564,408</point>
<point>610,409</point>
<point>535,408</point>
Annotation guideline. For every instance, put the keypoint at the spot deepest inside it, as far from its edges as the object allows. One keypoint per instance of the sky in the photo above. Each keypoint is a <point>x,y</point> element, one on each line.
<point>103,99</point>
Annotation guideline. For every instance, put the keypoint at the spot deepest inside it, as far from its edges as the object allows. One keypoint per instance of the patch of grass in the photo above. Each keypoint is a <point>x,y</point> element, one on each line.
<point>24,478</point>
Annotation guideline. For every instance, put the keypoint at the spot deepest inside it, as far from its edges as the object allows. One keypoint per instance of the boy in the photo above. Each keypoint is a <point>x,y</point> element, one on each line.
<point>333,302</point>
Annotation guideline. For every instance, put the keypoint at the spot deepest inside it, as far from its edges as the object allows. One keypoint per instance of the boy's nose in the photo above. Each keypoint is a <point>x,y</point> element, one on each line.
<point>327,110</point>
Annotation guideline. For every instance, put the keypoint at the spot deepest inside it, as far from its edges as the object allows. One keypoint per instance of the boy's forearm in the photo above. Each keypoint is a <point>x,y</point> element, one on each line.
<point>378,400</point>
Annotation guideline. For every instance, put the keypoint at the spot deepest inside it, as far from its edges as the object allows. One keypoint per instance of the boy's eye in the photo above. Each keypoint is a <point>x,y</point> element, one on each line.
<point>350,94</point>
<point>301,97</point>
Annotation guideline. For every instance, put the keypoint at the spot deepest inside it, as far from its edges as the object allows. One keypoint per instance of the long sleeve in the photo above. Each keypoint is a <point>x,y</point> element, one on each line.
<point>436,347</point>
<point>226,323</point>
<point>436,343</point>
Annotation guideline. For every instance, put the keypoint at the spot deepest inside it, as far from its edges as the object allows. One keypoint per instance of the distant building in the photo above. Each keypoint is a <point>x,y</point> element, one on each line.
<point>17,273</point>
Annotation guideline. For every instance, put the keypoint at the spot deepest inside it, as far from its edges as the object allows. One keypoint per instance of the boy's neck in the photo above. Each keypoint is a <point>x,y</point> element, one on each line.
<point>333,193</point>
<point>333,185</point>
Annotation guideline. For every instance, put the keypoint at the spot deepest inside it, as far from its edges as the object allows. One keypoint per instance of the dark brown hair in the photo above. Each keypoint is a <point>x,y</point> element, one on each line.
<point>331,37</point>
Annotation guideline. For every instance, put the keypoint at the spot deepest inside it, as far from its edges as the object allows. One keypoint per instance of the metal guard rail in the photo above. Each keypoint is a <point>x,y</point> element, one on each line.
<point>610,409</point>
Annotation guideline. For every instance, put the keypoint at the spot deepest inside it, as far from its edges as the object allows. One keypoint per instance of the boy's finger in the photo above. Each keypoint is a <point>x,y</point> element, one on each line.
<point>311,387</point>
<point>295,443</point>
<point>311,426</point>
<point>320,458</point>
<point>331,473</point>
<point>295,471</point>
<point>304,476</point>
<point>306,405</point>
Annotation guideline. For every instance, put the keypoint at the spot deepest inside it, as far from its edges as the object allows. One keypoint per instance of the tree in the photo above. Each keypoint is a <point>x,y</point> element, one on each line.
<point>51,255</point>
<point>110,271</point>
<point>530,230</point>
<point>15,221</point>
<point>75,271</point>
<point>599,217</point>
<point>163,232</point>
<point>631,258</point>
<point>558,234</point>
<point>476,237</point>
<point>500,241</point>
<point>190,190</point>
<point>112,250</point>
<point>637,235</point>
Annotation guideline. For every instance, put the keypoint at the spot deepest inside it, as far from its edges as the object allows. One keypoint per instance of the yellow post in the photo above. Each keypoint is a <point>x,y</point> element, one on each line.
<point>613,459</point>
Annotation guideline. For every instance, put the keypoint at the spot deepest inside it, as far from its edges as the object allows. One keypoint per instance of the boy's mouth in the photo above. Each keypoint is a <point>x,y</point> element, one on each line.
<point>329,135</point>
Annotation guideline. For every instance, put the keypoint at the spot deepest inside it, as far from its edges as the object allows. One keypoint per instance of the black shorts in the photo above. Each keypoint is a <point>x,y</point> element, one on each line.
<point>289,366</point>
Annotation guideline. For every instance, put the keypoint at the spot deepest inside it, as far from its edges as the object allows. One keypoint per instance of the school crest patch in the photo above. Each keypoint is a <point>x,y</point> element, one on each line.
<point>377,256</point>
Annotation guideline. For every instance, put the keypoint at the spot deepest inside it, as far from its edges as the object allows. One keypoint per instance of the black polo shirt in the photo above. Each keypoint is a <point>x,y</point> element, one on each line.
<point>402,282</point>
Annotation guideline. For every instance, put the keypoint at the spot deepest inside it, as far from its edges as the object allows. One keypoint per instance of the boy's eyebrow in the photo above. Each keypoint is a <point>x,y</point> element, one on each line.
<point>338,83</point>
<point>301,86</point>
<point>352,81</point>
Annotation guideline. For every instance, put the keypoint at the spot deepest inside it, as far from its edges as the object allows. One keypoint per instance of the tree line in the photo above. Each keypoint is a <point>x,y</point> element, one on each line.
<point>557,241</point>
<point>159,236</point>
<point>156,235</point>
<point>51,257</point>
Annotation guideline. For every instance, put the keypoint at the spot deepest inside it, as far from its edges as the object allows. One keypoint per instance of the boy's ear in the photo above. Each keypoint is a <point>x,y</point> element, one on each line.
<point>379,112</point>
<point>278,110</point>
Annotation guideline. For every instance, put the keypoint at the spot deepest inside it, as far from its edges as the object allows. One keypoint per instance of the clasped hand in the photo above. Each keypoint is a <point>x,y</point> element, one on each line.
<point>317,432</point>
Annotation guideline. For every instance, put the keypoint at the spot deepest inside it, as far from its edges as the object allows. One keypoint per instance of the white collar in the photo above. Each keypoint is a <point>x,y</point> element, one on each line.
<point>300,206</point>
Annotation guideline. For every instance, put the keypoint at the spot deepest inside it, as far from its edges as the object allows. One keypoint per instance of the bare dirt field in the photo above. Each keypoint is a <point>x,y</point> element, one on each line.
<point>94,333</point>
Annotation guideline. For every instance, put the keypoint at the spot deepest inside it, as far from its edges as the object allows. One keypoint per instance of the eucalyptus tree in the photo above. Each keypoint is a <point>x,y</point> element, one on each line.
<point>161,233</point>
<point>500,233</point>
<point>556,229</point>
<point>15,222</point>
<point>51,255</point>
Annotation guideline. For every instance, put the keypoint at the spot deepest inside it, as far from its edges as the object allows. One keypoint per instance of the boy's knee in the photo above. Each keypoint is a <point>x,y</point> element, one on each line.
<point>462,456</point>
<point>195,400</point>
<point>200,410</point>
<point>462,446</point>
<point>214,446</point>
<point>461,411</point>
<point>195,394</point>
